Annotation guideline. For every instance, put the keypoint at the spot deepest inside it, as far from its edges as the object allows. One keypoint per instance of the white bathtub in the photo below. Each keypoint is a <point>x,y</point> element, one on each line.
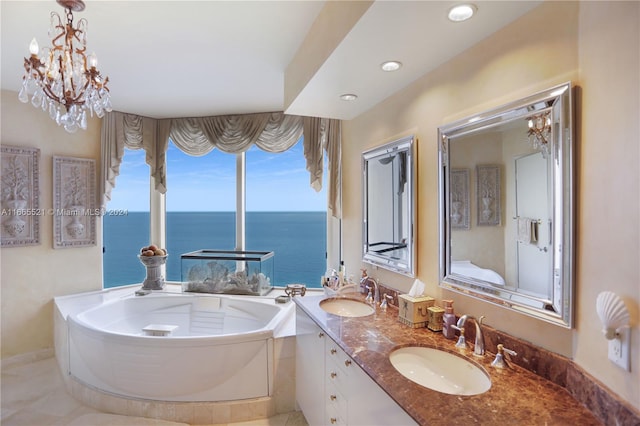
<point>220,347</point>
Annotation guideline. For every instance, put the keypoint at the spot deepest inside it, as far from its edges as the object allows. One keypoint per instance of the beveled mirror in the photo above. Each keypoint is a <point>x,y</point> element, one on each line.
<point>506,205</point>
<point>388,203</point>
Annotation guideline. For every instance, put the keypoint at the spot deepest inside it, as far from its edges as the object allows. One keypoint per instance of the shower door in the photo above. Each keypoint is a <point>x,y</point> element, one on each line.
<point>532,202</point>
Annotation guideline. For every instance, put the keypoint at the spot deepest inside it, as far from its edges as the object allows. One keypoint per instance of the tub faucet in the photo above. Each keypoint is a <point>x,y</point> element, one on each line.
<point>478,347</point>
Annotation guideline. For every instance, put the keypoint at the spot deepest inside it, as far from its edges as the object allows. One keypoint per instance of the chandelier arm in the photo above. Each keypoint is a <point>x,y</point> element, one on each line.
<point>81,32</point>
<point>47,91</point>
<point>59,27</point>
<point>77,100</point>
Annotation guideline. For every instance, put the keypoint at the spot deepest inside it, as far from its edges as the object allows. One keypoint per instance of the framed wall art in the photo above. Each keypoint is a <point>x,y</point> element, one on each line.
<point>20,218</point>
<point>459,199</point>
<point>74,202</point>
<point>488,195</point>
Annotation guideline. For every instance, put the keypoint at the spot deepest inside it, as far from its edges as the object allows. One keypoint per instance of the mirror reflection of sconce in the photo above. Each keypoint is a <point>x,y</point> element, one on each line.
<point>540,131</point>
<point>615,319</point>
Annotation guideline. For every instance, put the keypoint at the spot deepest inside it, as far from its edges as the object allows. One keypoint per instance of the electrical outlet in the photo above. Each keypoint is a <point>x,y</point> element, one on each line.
<point>619,349</point>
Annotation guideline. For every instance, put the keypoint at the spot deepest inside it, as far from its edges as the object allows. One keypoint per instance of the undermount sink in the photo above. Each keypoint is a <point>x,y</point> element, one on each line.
<point>440,370</point>
<point>346,307</point>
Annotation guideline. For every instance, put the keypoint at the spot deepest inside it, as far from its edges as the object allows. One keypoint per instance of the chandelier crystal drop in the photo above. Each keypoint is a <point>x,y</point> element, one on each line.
<point>64,81</point>
<point>540,132</point>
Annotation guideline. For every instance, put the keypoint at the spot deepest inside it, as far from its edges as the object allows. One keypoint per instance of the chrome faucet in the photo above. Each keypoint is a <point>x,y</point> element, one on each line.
<point>376,297</point>
<point>478,347</point>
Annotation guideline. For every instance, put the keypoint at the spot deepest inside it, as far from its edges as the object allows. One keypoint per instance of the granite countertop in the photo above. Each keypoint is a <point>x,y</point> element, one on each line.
<point>516,396</point>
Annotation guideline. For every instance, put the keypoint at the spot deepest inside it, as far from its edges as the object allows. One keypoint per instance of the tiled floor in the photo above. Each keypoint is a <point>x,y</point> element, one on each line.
<point>33,394</point>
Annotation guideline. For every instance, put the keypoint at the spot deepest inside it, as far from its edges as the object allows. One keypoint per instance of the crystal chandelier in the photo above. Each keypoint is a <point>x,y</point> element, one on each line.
<point>540,131</point>
<point>65,81</point>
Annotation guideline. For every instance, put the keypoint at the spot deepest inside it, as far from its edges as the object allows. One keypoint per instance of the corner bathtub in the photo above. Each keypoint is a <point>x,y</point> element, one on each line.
<point>220,347</point>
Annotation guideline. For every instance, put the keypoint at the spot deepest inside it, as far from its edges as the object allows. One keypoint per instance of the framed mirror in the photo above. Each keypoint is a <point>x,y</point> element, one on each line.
<point>507,207</point>
<point>388,204</point>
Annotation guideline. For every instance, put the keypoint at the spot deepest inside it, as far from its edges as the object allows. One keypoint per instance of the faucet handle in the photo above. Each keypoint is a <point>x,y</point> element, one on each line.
<point>369,298</point>
<point>500,362</point>
<point>384,304</point>
<point>462,341</point>
<point>509,351</point>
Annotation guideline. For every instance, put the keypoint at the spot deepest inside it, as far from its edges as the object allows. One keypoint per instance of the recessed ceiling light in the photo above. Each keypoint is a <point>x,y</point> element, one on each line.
<point>391,65</point>
<point>462,12</point>
<point>348,97</point>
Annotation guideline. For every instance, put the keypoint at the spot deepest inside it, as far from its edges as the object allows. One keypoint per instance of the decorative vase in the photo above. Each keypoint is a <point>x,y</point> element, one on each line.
<point>75,228</point>
<point>154,279</point>
<point>455,214</point>
<point>486,208</point>
<point>15,224</point>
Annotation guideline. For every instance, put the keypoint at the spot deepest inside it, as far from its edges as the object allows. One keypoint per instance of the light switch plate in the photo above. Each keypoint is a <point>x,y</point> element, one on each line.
<point>620,348</point>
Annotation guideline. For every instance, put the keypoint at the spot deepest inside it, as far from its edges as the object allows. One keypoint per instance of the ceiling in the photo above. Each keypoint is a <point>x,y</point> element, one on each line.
<point>199,58</point>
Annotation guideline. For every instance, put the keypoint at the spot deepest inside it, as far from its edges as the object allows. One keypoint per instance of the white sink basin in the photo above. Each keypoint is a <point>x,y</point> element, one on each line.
<point>439,370</point>
<point>346,307</point>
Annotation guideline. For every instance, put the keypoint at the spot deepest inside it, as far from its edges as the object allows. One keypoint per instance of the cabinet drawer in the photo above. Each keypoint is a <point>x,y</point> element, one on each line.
<point>337,357</point>
<point>336,405</point>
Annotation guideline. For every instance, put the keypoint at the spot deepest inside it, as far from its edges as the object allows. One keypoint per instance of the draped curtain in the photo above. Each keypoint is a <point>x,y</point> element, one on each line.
<point>272,132</point>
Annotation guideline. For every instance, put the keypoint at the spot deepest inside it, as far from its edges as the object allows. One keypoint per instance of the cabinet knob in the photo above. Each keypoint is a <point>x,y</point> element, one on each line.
<point>333,374</point>
<point>333,397</point>
<point>334,420</point>
<point>333,351</point>
<point>321,335</point>
<point>347,362</point>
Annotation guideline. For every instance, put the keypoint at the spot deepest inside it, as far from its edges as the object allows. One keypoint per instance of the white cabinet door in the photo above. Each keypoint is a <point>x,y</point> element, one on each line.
<point>310,369</point>
<point>369,405</point>
<point>366,403</point>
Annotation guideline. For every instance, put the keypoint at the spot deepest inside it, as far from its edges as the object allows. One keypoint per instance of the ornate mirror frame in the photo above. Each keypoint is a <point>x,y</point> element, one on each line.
<point>388,206</point>
<point>550,120</point>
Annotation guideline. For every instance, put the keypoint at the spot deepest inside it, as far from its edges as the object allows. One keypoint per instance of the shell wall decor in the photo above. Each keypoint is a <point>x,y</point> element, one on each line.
<point>613,313</point>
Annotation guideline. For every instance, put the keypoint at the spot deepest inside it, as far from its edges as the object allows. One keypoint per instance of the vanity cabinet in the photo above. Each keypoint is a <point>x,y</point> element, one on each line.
<point>310,368</point>
<point>331,389</point>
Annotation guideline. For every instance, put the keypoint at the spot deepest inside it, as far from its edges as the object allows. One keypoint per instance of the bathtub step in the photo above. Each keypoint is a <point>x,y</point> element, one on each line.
<point>158,329</point>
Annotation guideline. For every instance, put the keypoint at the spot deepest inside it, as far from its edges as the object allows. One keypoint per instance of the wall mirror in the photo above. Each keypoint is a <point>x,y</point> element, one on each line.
<point>506,206</point>
<point>388,203</point>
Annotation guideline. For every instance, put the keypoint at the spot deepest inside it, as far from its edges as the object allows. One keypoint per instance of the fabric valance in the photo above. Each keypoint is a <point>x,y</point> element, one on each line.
<point>272,132</point>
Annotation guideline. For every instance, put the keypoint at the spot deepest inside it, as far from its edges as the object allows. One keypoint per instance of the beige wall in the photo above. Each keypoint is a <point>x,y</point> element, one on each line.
<point>31,276</point>
<point>592,44</point>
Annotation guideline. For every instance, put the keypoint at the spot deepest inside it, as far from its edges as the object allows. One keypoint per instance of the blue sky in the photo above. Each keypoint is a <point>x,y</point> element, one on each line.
<point>275,182</point>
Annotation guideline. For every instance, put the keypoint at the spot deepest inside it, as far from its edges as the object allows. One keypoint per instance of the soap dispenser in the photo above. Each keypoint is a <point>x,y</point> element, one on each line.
<point>449,319</point>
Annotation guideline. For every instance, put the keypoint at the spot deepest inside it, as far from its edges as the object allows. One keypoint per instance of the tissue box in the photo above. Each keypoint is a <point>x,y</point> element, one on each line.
<point>413,311</point>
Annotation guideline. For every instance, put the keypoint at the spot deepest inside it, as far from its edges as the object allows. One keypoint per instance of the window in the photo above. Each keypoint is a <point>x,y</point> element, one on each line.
<point>201,201</point>
<point>124,235</point>
<point>284,214</point>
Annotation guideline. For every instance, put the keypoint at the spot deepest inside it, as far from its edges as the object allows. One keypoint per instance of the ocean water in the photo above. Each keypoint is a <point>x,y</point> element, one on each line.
<point>298,240</point>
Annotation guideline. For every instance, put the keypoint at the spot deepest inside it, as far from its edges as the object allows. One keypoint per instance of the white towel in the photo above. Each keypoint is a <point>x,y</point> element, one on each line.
<point>527,230</point>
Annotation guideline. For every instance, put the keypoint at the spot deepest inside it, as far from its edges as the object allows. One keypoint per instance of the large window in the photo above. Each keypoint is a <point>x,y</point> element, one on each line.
<point>283,213</point>
<point>124,234</point>
<point>201,199</point>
